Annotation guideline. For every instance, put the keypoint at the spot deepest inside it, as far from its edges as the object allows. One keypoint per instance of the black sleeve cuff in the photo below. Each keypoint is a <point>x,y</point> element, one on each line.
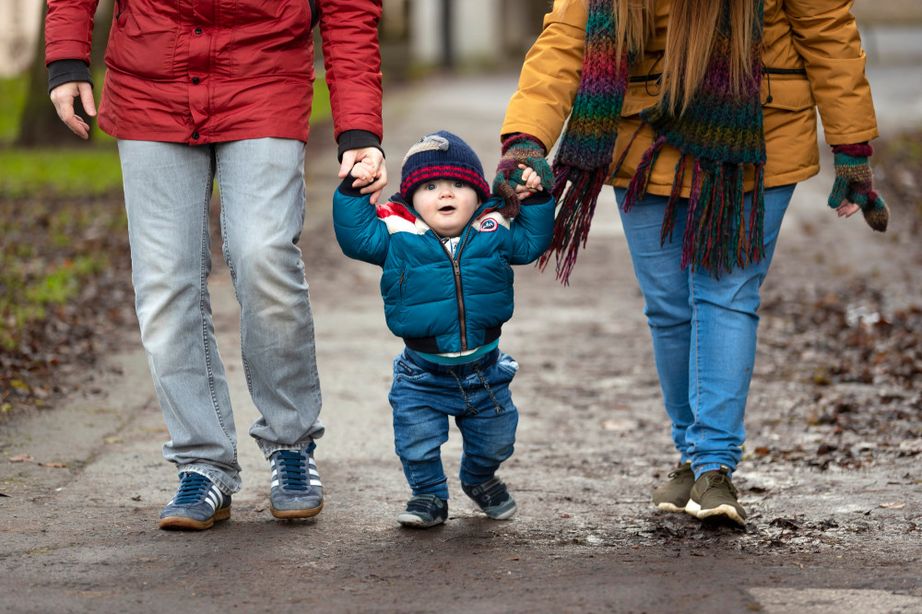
<point>65,71</point>
<point>357,139</point>
<point>538,198</point>
<point>346,187</point>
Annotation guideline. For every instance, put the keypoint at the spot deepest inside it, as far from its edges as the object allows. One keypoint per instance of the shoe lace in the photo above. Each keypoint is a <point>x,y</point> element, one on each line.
<point>192,487</point>
<point>292,469</point>
<point>720,480</point>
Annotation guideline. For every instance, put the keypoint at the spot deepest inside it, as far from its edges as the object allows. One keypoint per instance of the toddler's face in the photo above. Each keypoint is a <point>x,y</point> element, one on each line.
<point>445,205</point>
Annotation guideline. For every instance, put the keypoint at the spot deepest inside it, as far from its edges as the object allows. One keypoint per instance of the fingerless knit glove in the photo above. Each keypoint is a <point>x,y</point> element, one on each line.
<point>855,183</point>
<point>518,149</point>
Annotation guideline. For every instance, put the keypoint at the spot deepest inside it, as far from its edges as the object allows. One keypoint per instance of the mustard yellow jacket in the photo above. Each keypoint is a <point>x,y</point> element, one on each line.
<point>820,36</point>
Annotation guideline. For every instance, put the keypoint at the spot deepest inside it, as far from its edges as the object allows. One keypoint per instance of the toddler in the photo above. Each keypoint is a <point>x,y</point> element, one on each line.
<point>446,246</point>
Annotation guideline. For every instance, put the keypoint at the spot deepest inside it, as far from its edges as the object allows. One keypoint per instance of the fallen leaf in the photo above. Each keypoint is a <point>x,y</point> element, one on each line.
<point>893,505</point>
<point>136,498</point>
<point>53,465</point>
<point>20,385</point>
<point>112,439</point>
<point>21,458</point>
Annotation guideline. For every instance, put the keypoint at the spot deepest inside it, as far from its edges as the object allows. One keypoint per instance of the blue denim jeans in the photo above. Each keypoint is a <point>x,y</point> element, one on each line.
<point>704,330</point>
<point>167,190</point>
<point>425,394</point>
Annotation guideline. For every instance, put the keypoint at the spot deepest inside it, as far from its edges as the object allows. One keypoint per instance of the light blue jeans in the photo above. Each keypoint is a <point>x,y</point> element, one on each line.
<point>704,330</point>
<point>167,190</point>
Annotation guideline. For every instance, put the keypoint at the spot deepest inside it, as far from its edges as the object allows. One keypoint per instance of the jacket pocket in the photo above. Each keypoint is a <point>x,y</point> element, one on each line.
<point>787,93</point>
<point>402,284</point>
<point>639,96</point>
<point>120,15</point>
<point>143,39</point>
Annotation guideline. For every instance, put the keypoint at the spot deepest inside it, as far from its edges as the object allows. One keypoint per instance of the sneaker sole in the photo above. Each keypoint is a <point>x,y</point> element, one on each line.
<point>670,507</point>
<point>505,515</point>
<point>725,510</point>
<point>182,523</point>
<point>415,522</point>
<point>288,514</point>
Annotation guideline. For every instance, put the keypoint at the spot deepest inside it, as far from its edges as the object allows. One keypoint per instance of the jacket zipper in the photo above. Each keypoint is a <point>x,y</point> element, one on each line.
<point>456,267</point>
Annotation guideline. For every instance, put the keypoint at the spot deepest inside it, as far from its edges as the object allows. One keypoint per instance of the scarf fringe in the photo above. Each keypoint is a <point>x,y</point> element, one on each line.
<point>669,217</point>
<point>574,216</point>
<point>717,236</point>
<point>637,189</point>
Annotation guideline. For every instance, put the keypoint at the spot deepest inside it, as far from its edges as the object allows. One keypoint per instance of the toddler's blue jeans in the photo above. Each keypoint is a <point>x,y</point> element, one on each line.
<point>703,328</point>
<point>425,394</point>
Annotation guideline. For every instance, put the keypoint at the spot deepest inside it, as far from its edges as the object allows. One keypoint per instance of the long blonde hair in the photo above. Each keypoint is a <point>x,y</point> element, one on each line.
<point>690,38</point>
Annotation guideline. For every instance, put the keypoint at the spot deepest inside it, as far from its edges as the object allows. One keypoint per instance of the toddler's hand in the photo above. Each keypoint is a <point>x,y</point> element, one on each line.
<point>363,171</point>
<point>531,183</point>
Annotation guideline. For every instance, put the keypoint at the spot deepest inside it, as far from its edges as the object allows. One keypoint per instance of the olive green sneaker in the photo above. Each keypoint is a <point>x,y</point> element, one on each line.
<point>714,496</point>
<point>673,495</point>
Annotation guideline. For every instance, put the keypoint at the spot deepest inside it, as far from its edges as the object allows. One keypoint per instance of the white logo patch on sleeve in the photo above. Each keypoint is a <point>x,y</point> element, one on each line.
<point>490,222</point>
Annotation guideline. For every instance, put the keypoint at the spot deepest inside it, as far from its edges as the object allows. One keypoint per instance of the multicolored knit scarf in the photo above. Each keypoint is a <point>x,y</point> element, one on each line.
<point>718,135</point>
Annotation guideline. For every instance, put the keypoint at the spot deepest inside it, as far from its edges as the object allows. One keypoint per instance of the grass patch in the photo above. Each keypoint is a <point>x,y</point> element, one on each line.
<point>51,253</point>
<point>69,173</point>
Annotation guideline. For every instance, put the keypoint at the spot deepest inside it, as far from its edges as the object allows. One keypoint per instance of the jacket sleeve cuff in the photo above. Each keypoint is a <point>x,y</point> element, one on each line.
<point>357,139</point>
<point>65,71</point>
<point>346,187</point>
<point>538,198</point>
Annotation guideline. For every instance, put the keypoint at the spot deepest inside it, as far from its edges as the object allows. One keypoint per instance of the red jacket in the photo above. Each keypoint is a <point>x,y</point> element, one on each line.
<point>204,71</point>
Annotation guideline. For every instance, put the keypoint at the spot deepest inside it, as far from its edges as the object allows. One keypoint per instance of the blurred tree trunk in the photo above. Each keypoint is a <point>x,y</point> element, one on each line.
<point>39,124</point>
<point>101,35</point>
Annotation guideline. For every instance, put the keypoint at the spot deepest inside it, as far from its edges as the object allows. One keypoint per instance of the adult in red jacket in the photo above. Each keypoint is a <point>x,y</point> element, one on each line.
<point>221,89</point>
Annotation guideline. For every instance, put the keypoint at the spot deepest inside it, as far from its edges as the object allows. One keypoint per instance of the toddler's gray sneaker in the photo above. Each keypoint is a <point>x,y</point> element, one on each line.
<point>493,498</point>
<point>424,511</point>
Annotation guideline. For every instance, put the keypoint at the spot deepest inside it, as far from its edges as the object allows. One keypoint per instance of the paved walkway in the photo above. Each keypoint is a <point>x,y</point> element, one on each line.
<point>593,439</point>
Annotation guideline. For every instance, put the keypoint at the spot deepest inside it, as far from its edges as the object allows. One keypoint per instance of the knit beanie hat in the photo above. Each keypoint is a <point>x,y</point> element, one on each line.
<point>442,155</point>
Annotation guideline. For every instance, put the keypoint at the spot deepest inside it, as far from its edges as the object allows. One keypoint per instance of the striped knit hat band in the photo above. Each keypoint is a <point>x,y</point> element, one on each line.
<point>442,155</point>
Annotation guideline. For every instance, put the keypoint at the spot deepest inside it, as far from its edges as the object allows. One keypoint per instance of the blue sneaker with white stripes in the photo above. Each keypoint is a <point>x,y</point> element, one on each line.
<point>296,491</point>
<point>197,505</point>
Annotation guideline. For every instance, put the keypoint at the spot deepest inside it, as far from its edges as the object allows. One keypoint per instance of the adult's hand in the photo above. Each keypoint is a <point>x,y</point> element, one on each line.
<point>853,188</point>
<point>63,99</point>
<point>847,209</point>
<point>374,176</point>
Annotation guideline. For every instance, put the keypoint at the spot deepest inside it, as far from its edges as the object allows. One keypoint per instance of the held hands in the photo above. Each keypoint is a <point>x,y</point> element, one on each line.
<point>63,99</point>
<point>853,188</point>
<point>531,182</point>
<point>522,170</point>
<point>367,166</point>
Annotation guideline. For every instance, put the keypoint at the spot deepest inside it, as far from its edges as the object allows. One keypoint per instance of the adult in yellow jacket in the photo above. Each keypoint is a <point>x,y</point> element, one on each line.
<point>701,114</point>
